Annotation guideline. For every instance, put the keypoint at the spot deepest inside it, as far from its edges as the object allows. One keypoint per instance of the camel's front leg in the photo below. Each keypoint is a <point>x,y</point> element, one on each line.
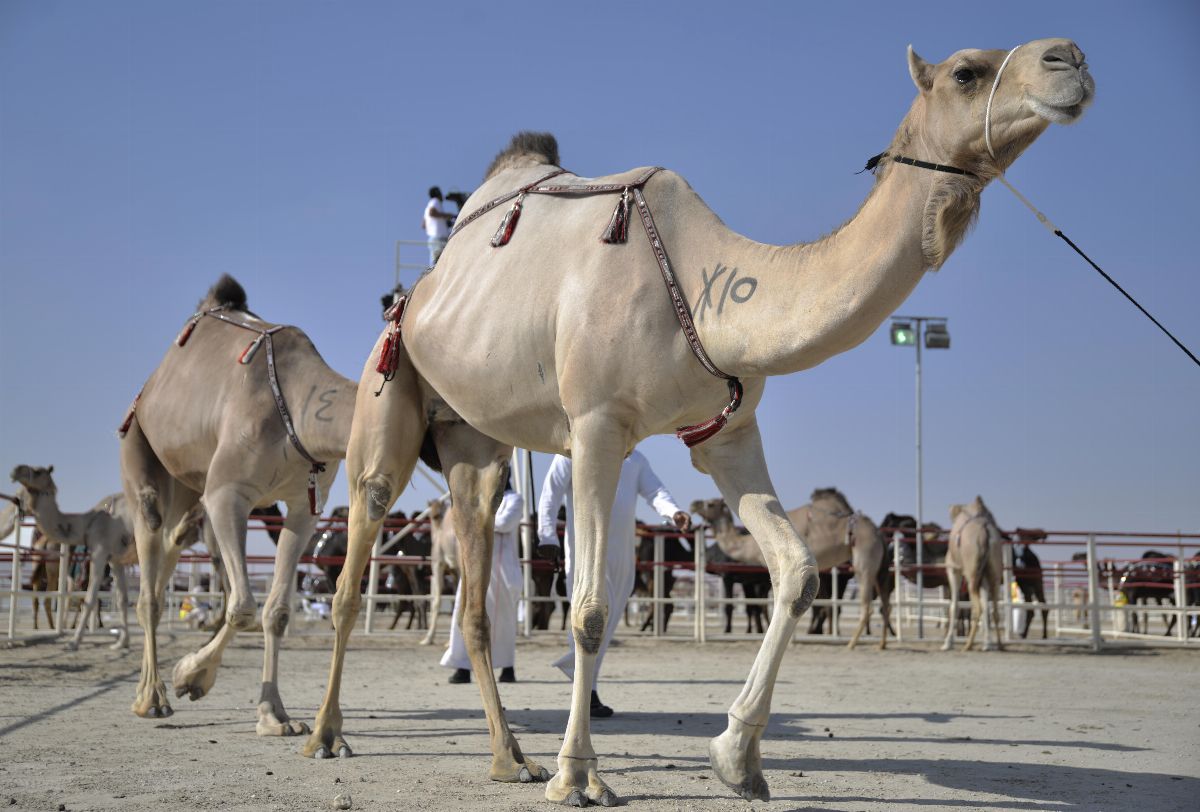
<point>273,719</point>
<point>597,450</point>
<point>385,438</point>
<point>866,567</point>
<point>95,573</point>
<point>735,460</point>
<point>478,469</point>
<point>227,511</point>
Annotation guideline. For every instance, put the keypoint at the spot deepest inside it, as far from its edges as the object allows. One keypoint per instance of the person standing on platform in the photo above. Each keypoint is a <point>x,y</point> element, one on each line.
<point>436,222</point>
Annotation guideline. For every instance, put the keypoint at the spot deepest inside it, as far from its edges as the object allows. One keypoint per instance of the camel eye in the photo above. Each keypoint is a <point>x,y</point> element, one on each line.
<point>964,75</point>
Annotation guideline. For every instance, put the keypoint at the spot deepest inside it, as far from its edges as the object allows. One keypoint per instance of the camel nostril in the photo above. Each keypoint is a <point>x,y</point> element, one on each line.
<point>1061,58</point>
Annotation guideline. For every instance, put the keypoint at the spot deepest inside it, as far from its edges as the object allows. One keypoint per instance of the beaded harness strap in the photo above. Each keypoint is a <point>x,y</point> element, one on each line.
<point>616,232</point>
<point>264,337</point>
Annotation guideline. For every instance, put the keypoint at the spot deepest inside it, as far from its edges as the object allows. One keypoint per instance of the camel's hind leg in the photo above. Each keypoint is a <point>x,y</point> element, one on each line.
<point>122,608</point>
<point>477,469</point>
<point>866,567</point>
<point>435,600</point>
<point>273,719</point>
<point>974,590</point>
<point>952,585</point>
<point>735,460</point>
<point>154,496</point>
<point>385,439</point>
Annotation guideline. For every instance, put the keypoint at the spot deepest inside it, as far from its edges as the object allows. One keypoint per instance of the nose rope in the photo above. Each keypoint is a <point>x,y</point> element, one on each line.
<point>1055,230</point>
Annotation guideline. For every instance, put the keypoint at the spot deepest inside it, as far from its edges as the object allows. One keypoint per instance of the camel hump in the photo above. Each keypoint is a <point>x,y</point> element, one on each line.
<point>227,292</point>
<point>525,149</point>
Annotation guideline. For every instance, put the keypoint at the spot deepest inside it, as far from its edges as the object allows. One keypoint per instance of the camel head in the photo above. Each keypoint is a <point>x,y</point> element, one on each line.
<point>437,510</point>
<point>711,510</point>
<point>33,479</point>
<point>1045,81</point>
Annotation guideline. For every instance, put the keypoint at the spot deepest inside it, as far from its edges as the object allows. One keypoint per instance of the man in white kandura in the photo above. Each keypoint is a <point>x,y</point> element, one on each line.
<point>637,479</point>
<point>503,596</point>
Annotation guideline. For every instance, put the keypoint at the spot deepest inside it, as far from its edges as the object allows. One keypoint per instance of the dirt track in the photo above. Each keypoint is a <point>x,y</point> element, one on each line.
<point>908,728</point>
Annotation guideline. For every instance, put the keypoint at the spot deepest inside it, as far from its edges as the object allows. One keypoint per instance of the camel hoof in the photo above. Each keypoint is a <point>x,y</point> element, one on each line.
<point>524,776</point>
<point>425,641</point>
<point>322,752</point>
<point>607,798</point>
<point>344,752</point>
<point>576,798</point>
<point>71,646</point>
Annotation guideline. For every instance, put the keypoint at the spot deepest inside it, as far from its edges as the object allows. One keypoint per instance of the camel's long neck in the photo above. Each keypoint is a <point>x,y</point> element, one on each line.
<point>778,309</point>
<point>322,410</point>
<point>57,526</point>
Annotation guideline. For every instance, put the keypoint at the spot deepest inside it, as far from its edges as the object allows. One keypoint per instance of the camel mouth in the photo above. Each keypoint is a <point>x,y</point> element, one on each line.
<point>1067,104</point>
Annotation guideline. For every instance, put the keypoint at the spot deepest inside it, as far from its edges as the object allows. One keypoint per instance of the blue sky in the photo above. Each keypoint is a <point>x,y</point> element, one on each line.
<point>146,148</point>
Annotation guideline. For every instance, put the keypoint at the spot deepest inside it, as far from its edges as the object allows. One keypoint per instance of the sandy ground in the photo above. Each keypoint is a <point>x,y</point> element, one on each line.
<point>904,729</point>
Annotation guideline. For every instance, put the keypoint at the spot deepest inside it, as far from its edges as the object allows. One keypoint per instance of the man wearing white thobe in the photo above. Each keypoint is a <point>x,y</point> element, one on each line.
<point>637,479</point>
<point>503,597</point>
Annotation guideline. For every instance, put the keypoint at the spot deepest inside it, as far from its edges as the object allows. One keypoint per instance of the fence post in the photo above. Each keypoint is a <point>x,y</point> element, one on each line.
<point>1006,627</point>
<point>657,607</point>
<point>1181,617</point>
<point>1057,599</point>
<point>15,585</point>
<point>64,566</point>
<point>373,582</point>
<point>835,605</point>
<point>699,632</point>
<point>897,590</point>
<point>1093,593</point>
<point>523,463</point>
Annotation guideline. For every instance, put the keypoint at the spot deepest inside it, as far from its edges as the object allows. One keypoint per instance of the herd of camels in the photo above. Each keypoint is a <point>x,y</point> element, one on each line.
<point>242,412</point>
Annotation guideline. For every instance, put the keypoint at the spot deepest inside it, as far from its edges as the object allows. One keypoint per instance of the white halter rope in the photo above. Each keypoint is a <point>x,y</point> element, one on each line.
<point>1045,221</point>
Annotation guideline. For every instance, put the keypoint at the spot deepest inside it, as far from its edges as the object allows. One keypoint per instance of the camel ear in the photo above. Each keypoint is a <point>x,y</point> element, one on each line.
<point>954,511</point>
<point>50,470</point>
<point>920,70</point>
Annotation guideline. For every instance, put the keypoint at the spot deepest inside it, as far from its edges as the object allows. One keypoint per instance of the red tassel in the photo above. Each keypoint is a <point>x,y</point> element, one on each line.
<point>186,332</point>
<point>248,354</point>
<point>695,435</point>
<point>124,429</point>
<point>312,492</point>
<point>389,355</point>
<point>618,226</point>
<point>508,224</point>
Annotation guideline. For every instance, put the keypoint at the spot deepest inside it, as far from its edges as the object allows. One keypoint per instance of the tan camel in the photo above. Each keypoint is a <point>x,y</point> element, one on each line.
<point>575,347</point>
<point>207,427</point>
<point>836,533</point>
<point>105,536</point>
<point>976,552</point>
<point>443,559</point>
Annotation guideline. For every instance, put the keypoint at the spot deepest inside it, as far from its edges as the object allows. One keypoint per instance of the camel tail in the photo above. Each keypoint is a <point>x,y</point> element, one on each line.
<point>526,149</point>
<point>227,292</point>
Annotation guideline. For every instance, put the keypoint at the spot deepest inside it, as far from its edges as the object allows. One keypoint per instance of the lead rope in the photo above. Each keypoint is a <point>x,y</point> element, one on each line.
<point>1055,230</point>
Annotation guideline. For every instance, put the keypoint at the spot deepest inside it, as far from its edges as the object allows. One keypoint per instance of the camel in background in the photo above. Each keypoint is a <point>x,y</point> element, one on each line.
<point>976,553</point>
<point>239,414</point>
<point>837,534</point>
<point>444,559</point>
<point>736,546</point>
<point>574,347</point>
<point>104,533</point>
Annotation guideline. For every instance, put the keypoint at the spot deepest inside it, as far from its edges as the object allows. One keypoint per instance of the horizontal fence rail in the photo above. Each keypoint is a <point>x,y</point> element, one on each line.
<point>1085,602</point>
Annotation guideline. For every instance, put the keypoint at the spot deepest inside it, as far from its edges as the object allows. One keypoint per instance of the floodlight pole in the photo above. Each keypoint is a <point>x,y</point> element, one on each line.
<point>920,498</point>
<point>918,340</point>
